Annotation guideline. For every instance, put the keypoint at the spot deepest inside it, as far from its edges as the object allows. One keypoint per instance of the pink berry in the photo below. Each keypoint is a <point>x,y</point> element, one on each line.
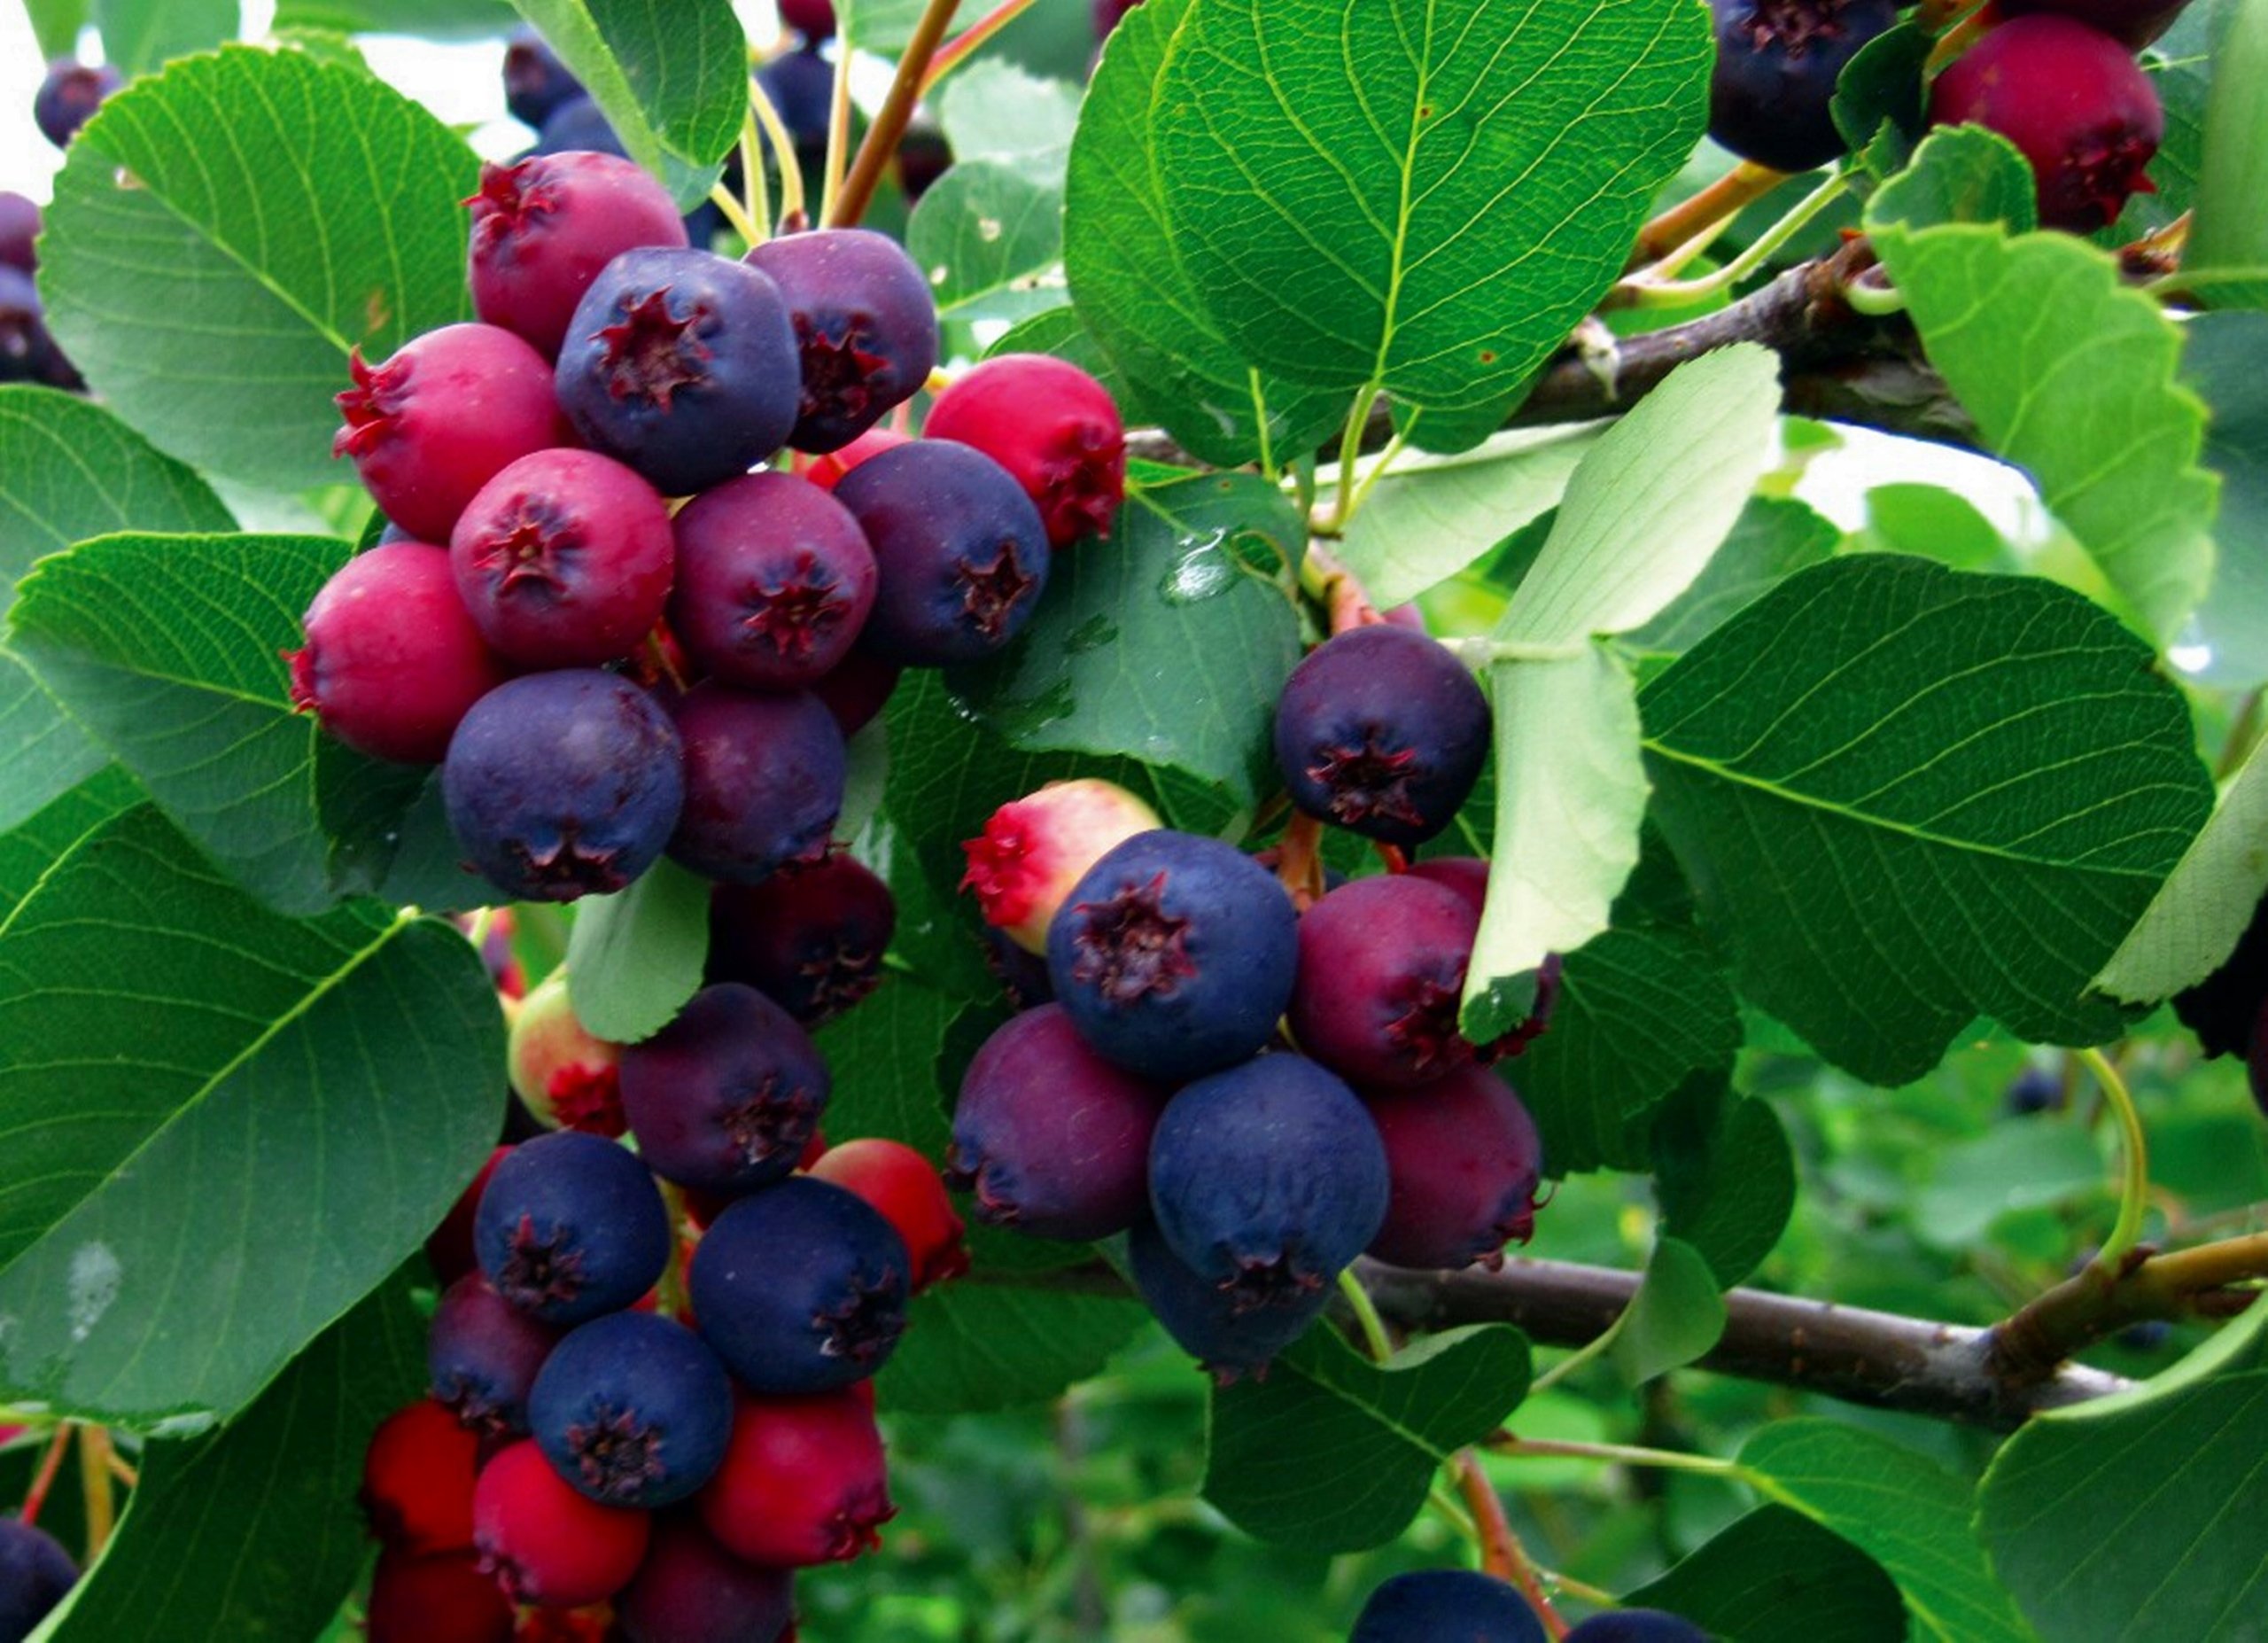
<point>824,471</point>
<point>1463,1162</point>
<point>446,414</point>
<point>1033,850</point>
<point>565,559</point>
<point>814,19</point>
<point>392,661</point>
<point>1468,876</point>
<point>1052,426</point>
<point>804,1482</point>
<point>775,582</point>
<point>547,1542</point>
<point>436,1599</point>
<point>417,1480</point>
<point>904,1186</point>
<point>543,229</point>
<point>1381,972</point>
<point>566,1077</point>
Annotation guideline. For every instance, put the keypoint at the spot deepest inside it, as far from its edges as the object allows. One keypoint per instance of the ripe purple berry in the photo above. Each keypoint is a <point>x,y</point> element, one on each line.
<point>814,19</point>
<point>691,1589</point>
<point>392,662</point>
<point>1381,730</point>
<point>35,1573</point>
<point>2073,100</point>
<point>18,232</point>
<point>536,83</point>
<point>1174,955</point>
<point>482,1355</point>
<point>565,559</point>
<point>67,98</point>
<point>725,1096</point>
<point>1053,1140</point>
<point>810,938</point>
<point>801,1287</point>
<point>2132,23</point>
<point>565,784</point>
<point>1228,1339</point>
<point>1434,1604</point>
<point>28,349</point>
<point>681,364</point>
<point>542,229</point>
<point>763,781</point>
<point>775,582</point>
<point>1463,1163</point>
<point>571,1226</point>
<point>1382,965</point>
<point>866,328</point>
<point>633,1410</point>
<point>1268,1179</point>
<point>962,552</point>
<point>1772,94</point>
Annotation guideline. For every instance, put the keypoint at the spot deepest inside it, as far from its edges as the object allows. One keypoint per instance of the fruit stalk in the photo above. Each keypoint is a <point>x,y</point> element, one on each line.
<point>1502,1554</point>
<point>963,45</point>
<point>858,191</point>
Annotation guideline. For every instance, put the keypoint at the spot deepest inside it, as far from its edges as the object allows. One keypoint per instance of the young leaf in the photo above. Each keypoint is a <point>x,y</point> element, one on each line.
<point>1775,1577</point>
<point>226,1129</point>
<point>1334,1454</point>
<point>1774,538</point>
<point>636,956</point>
<point>2233,177</point>
<point>223,233</point>
<point>997,110</point>
<point>1906,796</point>
<point>1422,194</point>
<point>2225,360</point>
<point>1675,1316</point>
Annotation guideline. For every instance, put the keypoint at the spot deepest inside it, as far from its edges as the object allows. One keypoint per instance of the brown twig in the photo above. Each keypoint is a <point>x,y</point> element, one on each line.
<point>891,121</point>
<point>2203,1282</point>
<point>1712,206</point>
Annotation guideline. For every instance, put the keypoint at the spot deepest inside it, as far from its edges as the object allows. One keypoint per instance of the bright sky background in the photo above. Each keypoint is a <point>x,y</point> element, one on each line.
<point>463,85</point>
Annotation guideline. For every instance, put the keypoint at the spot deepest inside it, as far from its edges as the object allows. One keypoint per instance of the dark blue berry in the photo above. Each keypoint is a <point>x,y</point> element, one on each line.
<point>482,1356</point>
<point>801,85</point>
<point>1382,731</point>
<point>68,97</point>
<point>1637,1626</point>
<point>1771,96</point>
<point>536,83</point>
<point>801,1287</point>
<point>866,327</point>
<point>35,1572</point>
<point>28,348</point>
<point>1022,976</point>
<point>691,1589</point>
<point>1175,954</point>
<point>2035,1089</point>
<point>1436,1605</point>
<point>682,365</point>
<point>726,1097</point>
<point>961,549</point>
<point>1268,1179</point>
<point>763,781</point>
<point>576,126</point>
<point>810,938</point>
<point>563,784</point>
<point>1227,1341</point>
<point>633,1410</point>
<point>571,1226</point>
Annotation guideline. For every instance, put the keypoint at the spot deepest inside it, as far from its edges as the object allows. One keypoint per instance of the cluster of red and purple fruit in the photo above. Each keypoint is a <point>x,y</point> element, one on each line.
<point>2057,78</point>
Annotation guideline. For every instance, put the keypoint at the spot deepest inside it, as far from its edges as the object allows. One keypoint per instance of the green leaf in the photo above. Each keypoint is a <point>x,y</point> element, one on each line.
<point>1775,1577</point>
<point>1774,538</point>
<point>2230,232</point>
<point>2225,360</point>
<point>879,25</point>
<point>976,1346</point>
<point>996,110</point>
<point>1638,1012</point>
<point>2169,1476</point>
<point>428,20</point>
<point>884,1058</point>
<point>1972,1183</point>
<point>224,1130</point>
<point>636,956</point>
<point>1906,796</point>
<point>56,25</point>
<point>170,651</point>
<point>1133,291</point>
<point>53,832</point>
<point>1725,1175</point>
<point>1431,516</point>
<point>1933,523</point>
<point>671,80</point>
<point>1059,332</point>
<point>1451,187</point>
<point>1882,85</point>
<point>1334,1454</point>
<point>1675,1316</point>
<point>48,753</point>
<point>1190,572</point>
<point>1963,174</point>
<point>2089,406</point>
<point>138,35</point>
<point>989,237</point>
<point>210,292</point>
<point>253,1532</point>
<point>1842,1477</point>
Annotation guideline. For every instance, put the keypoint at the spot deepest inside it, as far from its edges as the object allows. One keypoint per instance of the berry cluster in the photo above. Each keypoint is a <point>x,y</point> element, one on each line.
<point>605,677</point>
<point>65,99</point>
<point>1152,1093</point>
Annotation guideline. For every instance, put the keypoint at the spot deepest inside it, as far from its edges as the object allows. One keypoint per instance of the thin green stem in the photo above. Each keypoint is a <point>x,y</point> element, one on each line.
<point>756,191</point>
<point>743,224</point>
<point>1449,1512</point>
<point>1875,302</point>
<point>783,150</point>
<point>857,191</point>
<point>1260,424</point>
<point>838,136</point>
<point>1350,452</point>
<point>1587,1353</point>
<point>2134,1179</point>
<point>1624,1454</point>
<point>1366,1314</point>
<point>1383,460</point>
<point>1644,292</point>
<point>958,50</point>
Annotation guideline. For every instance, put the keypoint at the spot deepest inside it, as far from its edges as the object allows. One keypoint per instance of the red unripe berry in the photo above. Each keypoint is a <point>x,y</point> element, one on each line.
<point>547,1542</point>
<point>446,414</point>
<point>443,1598</point>
<point>814,19</point>
<point>567,1078</point>
<point>906,1189</point>
<point>691,1589</point>
<point>804,1482</point>
<point>1052,426</point>
<point>417,1480</point>
<point>543,229</point>
<point>565,559</point>
<point>2072,99</point>
<point>825,470</point>
<point>1033,850</point>
<point>448,1247</point>
<point>1463,1162</point>
<point>392,661</point>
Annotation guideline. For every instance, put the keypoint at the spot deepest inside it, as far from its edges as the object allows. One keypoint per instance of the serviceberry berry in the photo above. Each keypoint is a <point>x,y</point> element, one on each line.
<point>691,1589</point>
<point>1382,965</point>
<point>483,1354</point>
<point>904,1186</point>
<point>417,1476</point>
<point>35,1574</point>
<point>1772,94</point>
<point>544,227</point>
<point>18,232</point>
<point>1637,1626</point>
<point>1462,1165</point>
<point>448,1247</point>
<point>814,19</point>
<point>866,328</point>
<point>536,83</point>
<point>2132,23</point>
<point>633,1409</point>
<point>810,938</point>
<point>724,1097</point>
<point>546,1541</point>
<point>763,781</point>
<point>774,580</point>
<point>565,1076</point>
<point>1051,425</point>
<point>857,690</point>
<point>1228,1339</point>
<point>1033,850</point>
<point>444,1598</point>
<point>68,97</point>
<point>803,1482</point>
<point>1435,1604</point>
<point>571,1226</point>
